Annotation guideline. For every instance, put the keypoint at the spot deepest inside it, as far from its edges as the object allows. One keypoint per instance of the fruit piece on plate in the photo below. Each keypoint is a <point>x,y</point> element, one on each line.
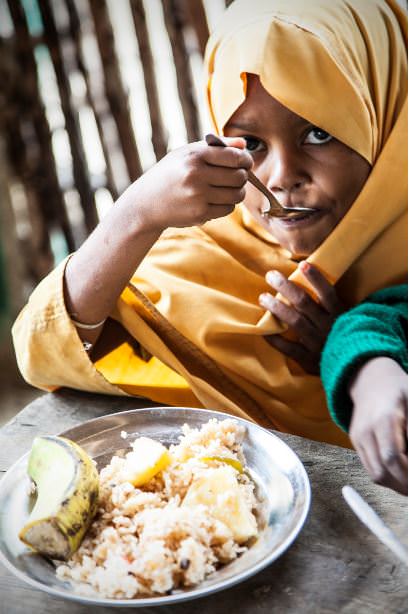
<point>67,487</point>
<point>147,458</point>
<point>233,462</point>
<point>220,492</point>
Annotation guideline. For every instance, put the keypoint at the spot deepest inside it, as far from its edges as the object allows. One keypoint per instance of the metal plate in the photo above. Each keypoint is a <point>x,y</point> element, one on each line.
<point>282,485</point>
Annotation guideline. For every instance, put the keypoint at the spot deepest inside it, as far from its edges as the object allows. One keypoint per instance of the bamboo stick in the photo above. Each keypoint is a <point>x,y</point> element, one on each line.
<point>74,29</point>
<point>114,89</point>
<point>159,140</point>
<point>81,178</point>
<point>175,22</point>
<point>196,15</point>
<point>34,153</point>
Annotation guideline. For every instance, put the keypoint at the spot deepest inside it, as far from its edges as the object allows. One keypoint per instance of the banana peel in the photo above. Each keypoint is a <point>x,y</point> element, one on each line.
<point>67,485</point>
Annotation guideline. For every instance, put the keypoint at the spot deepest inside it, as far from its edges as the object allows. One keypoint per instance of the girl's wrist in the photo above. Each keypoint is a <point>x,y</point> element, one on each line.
<point>375,373</point>
<point>133,216</point>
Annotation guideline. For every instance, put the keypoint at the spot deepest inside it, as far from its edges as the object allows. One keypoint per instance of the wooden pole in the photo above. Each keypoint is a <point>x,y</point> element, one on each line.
<point>75,33</point>
<point>114,89</point>
<point>29,142</point>
<point>81,178</point>
<point>197,18</point>
<point>175,22</point>
<point>159,140</point>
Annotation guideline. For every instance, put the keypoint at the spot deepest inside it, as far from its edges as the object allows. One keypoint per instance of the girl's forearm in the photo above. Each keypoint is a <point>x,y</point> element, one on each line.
<point>99,270</point>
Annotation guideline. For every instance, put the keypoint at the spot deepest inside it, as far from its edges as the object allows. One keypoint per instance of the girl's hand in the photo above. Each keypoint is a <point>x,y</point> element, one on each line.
<point>378,428</point>
<point>191,185</point>
<point>310,321</point>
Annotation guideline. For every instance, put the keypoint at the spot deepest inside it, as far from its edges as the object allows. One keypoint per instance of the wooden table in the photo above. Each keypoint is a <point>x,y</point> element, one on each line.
<point>335,565</point>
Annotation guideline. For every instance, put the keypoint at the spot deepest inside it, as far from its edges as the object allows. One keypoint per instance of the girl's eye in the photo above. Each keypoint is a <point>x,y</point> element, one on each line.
<point>316,136</point>
<point>252,144</point>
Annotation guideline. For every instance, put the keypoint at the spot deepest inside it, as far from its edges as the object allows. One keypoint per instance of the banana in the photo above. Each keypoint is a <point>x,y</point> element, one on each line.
<point>67,486</point>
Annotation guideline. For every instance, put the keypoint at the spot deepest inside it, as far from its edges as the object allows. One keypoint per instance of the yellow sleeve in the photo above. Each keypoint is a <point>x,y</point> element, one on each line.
<point>49,351</point>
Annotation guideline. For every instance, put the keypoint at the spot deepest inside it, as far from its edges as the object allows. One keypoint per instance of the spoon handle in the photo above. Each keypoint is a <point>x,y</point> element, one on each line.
<point>254,180</point>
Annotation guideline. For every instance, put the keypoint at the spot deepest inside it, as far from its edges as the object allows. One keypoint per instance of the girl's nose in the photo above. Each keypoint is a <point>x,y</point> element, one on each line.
<point>286,173</point>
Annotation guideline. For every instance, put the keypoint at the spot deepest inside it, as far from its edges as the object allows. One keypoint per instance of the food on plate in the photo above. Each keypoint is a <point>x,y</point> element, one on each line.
<point>224,459</point>
<point>219,491</point>
<point>66,481</point>
<point>147,458</point>
<point>167,517</point>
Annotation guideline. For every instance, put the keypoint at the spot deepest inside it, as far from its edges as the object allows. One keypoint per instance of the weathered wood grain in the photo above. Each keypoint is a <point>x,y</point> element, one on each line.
<point>79,23</point>
<point>159,136</point>
<point>174,20</point>
<point>28,139</point>
<point>62,69</point>
<point>335,566</point>
<point>114,87</point>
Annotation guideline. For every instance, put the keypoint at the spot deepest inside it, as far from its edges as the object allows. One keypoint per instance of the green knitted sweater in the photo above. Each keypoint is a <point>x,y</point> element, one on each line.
<point>376,327</point>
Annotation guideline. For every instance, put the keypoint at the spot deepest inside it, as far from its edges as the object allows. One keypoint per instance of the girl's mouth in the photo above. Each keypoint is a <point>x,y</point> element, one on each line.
<point>303,219</point>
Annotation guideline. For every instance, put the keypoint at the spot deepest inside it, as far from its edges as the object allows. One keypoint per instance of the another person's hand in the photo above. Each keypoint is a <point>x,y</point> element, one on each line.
<point>378,428</point>
<point>311,321</point>
<point>191,185</point>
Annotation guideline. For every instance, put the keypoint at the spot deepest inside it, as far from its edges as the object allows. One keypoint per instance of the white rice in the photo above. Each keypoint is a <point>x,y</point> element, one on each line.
<point>142,541</point>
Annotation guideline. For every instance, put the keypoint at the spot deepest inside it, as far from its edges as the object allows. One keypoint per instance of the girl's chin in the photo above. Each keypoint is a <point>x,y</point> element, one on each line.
<point>301,246</point>
<point>301,237</point>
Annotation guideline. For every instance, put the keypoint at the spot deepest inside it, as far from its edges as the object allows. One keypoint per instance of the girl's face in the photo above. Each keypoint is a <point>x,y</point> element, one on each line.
<point>301,164</point>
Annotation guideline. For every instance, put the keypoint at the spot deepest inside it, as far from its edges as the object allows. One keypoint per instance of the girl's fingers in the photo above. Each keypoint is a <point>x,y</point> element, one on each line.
<point>287,314</point>
<point>216,211</point>
<point>231,157</point>
<point>218,176</point>
<point>369,454</point>
<point>290,348</point>
<point>391,443</point>
<point>297,296</point>
<point>362,453</point>
<point>325,291</point>
<point>376,458</point>
<point>225,196</point>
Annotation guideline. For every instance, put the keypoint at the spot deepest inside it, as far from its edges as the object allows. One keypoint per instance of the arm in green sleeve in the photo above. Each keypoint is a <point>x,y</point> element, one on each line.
<point>376,327</point>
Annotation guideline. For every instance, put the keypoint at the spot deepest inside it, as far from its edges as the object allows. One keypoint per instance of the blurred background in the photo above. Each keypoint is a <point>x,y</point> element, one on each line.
<point>93,92</point>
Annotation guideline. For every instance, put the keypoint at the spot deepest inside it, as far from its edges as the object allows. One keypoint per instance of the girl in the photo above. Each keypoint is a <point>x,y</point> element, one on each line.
<point>311,96</point>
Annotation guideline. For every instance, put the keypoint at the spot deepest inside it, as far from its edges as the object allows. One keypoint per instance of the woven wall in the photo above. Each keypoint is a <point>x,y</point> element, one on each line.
<point>93,93</point>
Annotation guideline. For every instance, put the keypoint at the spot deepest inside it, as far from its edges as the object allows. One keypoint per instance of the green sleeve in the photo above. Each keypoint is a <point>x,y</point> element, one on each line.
<point>376,327</point>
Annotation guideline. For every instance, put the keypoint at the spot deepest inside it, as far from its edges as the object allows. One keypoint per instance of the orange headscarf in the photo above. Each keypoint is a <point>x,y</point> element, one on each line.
<point>342,66</point>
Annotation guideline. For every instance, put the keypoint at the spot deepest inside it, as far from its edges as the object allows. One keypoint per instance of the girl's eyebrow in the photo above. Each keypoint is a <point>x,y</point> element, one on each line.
<point>251,125</point>
<point>243,125</point>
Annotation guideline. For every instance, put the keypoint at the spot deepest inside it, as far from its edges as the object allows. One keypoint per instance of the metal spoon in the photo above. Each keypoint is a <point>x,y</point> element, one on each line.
<point>274,208</point>
<point>370,519</point>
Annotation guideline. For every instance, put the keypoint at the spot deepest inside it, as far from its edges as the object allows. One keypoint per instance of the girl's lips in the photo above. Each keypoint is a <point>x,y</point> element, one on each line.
<point>303,219</point>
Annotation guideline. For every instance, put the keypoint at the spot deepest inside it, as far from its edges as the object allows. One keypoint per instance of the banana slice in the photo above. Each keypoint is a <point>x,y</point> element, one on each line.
<point>219,491</point>
<point>67,496</point>
<point>147,458</point>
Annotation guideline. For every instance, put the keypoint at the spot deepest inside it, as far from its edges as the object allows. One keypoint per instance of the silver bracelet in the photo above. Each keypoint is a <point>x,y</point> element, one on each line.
<point>88,326</point>
<point>87,346</point>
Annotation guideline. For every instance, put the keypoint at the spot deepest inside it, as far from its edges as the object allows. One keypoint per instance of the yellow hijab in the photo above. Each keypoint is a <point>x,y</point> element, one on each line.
<point>193,302</point>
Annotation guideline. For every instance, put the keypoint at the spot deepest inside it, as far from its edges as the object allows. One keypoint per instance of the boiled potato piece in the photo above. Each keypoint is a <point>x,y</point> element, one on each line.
<point>147,458</point>
<point>219,491</point>
<point>233,462</point>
